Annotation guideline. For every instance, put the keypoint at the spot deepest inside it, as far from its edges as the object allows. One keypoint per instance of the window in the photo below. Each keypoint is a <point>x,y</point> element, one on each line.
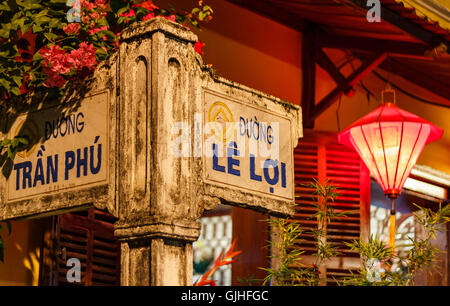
<point>87,236</point>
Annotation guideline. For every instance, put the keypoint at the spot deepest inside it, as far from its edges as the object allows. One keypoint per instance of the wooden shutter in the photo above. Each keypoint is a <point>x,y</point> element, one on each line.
<point>319,156</point>
<point>251,232</point>
<point>88,236</point>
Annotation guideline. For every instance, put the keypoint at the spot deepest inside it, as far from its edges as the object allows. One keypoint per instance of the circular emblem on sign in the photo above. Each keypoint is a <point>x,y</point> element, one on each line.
<point>219,115</point>
<point>27,128</point>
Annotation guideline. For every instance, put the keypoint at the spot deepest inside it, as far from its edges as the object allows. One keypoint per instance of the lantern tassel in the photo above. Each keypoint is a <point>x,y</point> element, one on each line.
<point>392,228</point>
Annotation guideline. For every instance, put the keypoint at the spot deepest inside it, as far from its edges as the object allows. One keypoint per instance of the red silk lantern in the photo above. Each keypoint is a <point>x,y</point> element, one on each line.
<point>389,140</point>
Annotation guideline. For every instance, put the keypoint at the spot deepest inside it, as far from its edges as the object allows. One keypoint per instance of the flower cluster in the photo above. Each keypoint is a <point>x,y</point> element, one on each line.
<point>60,65</point>
<point>41,49</point>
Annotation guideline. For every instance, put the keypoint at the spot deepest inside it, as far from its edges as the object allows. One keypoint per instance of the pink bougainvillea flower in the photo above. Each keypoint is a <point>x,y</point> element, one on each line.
<point>146,4</point>
<point>87,5</point>
<point>171,18</point>
<point>198,47</point>
<point>130,13</point>
<point>54,79</point>
<point>148,16</point>
<point>102,28</point>
<point>95,15</point>
<point>84,57</point>
<point>56,59</point>
<point>72,28</point>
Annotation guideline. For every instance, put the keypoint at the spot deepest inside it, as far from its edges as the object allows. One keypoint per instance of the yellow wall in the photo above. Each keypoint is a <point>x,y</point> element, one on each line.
<point>22,249</point>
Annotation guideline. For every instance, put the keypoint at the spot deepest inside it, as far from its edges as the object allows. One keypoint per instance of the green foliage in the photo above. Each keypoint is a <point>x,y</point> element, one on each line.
<point>10,147</point>
<point>393,269</point>
<point>290,271</point>
<point>380,265</point>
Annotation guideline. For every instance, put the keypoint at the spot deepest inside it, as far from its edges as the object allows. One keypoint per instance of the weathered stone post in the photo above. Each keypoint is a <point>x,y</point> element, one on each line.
<point>158,193</point>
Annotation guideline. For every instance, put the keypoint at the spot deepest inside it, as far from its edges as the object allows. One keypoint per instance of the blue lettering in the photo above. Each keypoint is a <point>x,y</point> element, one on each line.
<point>263,132</point>
<point>60,127</point>
<point>80,124</point>
<point>71,124</point>
<point>39,173</point>
<point>27,174</point>
<point>242,126</point>
<point>274,164</point>
<point>52,169</point>
<point>66,125</point>
<point>26,177</point>
<point>70,163</point>
<point>96,169</point>
<point>82,162</point>
<point>48,130</point>
<point>269,135</point>
<point>283,175</point>
<point>253,175</point>
<point>231,151</point>
<point>216,165</point>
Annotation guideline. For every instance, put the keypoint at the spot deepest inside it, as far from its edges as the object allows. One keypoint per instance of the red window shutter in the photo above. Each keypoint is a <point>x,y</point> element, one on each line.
<point>319,156</point>
<point>89,237</point>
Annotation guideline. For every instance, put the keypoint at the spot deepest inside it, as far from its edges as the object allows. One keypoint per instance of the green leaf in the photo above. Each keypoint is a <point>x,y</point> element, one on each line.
<point>25,27</point>
<point>50,36</point>
<point>29,4</point>
<point>5,30</point>
<point>6,84</point>
<point>22,140</point>
<point>43,19</point>
<point>17,79</point>
<point>11,153</point>
<point>101,53</point>
<point>37,28</point>
<point>5,142</point>
<point>4,6</point>
<point>54,23</point>
<point>208,8</point>
<point>37,56</point>
<point>15,91</point>
<point>18,23</point>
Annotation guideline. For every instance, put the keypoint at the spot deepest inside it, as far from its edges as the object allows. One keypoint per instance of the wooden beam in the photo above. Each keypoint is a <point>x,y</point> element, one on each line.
<point>420,78</point>
<point>327,64</point>
<point>308,77</point>
<point>404,24</point>
<point>351,81</point>
<point>326,40</point>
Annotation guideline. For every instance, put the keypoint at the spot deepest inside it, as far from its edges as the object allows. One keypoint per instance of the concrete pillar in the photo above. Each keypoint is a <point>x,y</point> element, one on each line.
<point>162,181</point>
<point>158,192</point>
